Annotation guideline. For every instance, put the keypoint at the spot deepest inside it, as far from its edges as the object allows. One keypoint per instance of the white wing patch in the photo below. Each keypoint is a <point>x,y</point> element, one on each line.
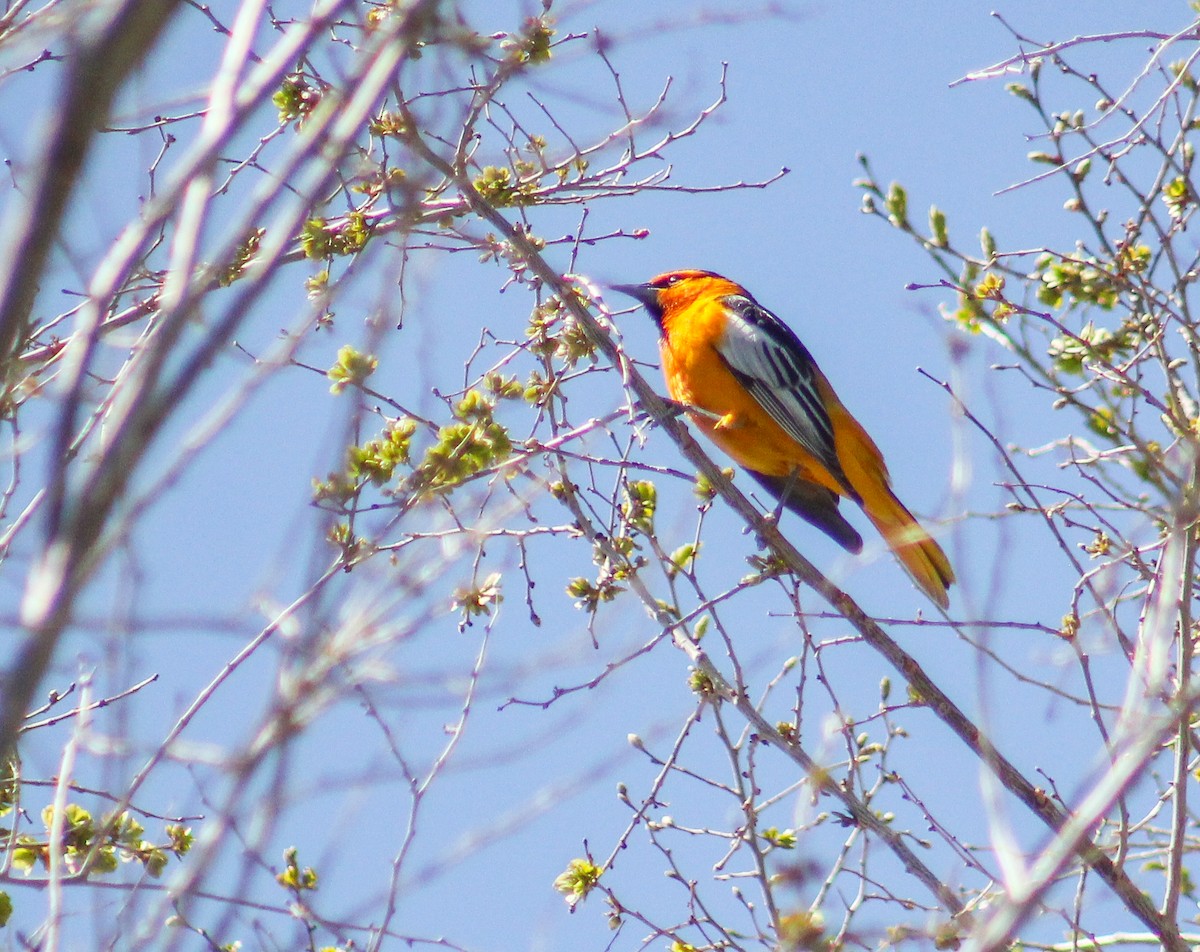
<point>775,367</point>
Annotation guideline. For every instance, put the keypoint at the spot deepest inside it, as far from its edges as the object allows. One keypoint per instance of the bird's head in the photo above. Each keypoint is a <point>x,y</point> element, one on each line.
<point>672,290</point>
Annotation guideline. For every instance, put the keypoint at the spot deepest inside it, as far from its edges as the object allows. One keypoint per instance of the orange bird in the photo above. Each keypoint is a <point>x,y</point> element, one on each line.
<point>749,384</point>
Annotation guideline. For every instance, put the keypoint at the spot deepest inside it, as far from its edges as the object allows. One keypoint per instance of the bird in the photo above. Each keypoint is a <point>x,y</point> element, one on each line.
<point>747,382</point>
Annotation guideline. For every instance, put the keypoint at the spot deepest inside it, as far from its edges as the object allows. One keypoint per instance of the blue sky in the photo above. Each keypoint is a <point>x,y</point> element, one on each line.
<point>235,538</point>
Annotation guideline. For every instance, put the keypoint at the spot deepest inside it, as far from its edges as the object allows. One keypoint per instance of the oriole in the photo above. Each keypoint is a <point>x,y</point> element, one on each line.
<point>752,387</point>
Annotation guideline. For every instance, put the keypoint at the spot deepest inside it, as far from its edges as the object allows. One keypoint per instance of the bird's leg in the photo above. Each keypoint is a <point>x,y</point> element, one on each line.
<point>676,408</point>
<point>707,416</point>
<point>793,478</point>
<point>641,415</point>
<point>730,421</point>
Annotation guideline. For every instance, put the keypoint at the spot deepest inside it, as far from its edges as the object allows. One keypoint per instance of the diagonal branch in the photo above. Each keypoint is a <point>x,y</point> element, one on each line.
<point>95,73</point>
<point>939,702</point>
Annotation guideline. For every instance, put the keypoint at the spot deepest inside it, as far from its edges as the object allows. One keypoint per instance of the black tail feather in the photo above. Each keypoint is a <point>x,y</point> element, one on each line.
<point>815,504</point>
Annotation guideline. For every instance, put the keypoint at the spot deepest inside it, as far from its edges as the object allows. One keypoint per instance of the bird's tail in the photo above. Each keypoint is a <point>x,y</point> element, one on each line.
<point>918,553</point>
<point>815,504</point>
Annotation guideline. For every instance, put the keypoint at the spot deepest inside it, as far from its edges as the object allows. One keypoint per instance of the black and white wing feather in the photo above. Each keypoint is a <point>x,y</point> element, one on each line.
<point>769,360</point>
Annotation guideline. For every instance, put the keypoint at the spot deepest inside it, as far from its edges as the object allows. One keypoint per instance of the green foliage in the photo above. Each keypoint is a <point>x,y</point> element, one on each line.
<point>579,878</point>
<point>538,389</point>
<point>1103,422</point>
<point>553,333</point>
<point>780,839</point>
<point>1179,70</point>
<point>948,935</point>
<point>10,772</point>
<point>294,878</point>
<point>532,44</point>
<point>705,491</point>
<point>481,598</point>
<point>1070,352</point>
<point>376,460</point>
<point>616,562</point>
<point>337,488</point>
<point>574,344</point>
<point>241,258</point>
<point>377,183</point>
<point>701,682</point>
<point>295,100</point>
<point>867,749</point>
<point>804,930</point>
<point>683,559</point>
<point>1044,158</point>
<point>505,388</point>
<point>495,183</point>
<point>462,450</point>
<point>1187,886</point>
<point>765,567</point>
<point>987,244</point>
<point>588,595</point>
<point>320,239</point>
<point>990,287</point>
<point>389,123</point>
<point>317,285</point>
<point>181,838</point>
<point>473,442</point>
<point>1178,197</point>
<point>351,369</point>
<point>1067,281</point>
<point>1132,259</point>
<point>937,227</point>
<point>116,839</point>
<point>641,501</point>
<point>896,205</point>
<point>1020,90</point>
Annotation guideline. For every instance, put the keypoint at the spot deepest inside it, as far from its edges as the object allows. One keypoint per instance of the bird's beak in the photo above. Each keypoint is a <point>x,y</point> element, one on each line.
<point>642,293</point>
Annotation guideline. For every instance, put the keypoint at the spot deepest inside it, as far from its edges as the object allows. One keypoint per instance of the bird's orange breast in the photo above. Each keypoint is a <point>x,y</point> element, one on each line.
<point>724,410</point>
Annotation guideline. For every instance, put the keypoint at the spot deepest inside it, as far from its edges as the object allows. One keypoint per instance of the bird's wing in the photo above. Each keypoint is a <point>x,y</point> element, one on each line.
<point>767,358</point>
